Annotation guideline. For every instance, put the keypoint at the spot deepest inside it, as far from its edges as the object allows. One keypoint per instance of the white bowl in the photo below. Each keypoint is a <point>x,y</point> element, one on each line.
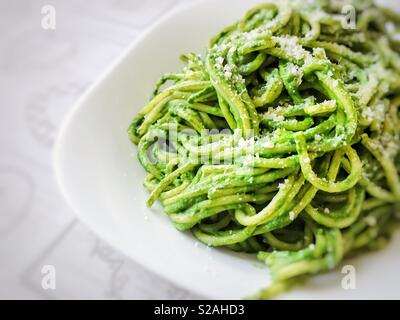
<point>99,175</point>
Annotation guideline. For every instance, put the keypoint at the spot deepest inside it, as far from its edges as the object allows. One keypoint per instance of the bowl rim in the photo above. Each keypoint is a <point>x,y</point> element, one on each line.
<point>73,112</point>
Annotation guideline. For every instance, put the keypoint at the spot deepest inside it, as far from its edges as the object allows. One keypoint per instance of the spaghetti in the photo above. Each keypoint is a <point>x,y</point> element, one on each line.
<point>283,140</point>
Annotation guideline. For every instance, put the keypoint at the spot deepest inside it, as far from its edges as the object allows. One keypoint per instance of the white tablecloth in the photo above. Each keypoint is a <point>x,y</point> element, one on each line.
<point>42,73</point>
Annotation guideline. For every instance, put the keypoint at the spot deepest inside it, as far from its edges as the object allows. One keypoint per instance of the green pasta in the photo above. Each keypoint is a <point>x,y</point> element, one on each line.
<point>283,140</point>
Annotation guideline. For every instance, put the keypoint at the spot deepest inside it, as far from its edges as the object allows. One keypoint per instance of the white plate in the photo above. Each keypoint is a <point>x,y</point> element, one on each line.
<point>100,177</point>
